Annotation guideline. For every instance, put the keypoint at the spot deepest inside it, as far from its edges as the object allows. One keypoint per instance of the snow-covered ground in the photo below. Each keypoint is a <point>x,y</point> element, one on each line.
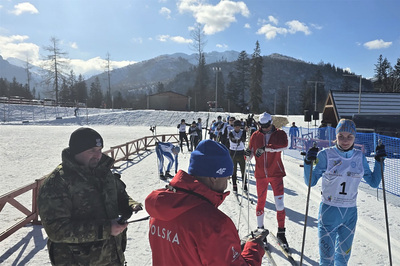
<point>32,149</point>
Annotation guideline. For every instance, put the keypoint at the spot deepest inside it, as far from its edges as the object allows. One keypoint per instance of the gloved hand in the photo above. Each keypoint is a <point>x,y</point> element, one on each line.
<point>247,152</point>
<point>137,207</point>
<point>260,151</point>
<point>380,152</point>
<point>311,155</point>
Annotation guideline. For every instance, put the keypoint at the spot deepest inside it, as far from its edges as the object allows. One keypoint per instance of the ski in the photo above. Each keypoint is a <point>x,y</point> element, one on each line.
<point>286,252</point>
<point>268,254</point>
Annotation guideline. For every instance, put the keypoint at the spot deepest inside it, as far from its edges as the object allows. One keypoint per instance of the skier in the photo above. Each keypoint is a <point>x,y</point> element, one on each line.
<point>217,127</point>
<point>237,139</point>
<point>266,144</point>
<point>293,134</point>
<point>223,133</point>
<point>171,152</point>
<point>212,130</point>
<point>182,134</point>
<point>186,227</point>
<point>200,127</point>
<point>194,135</point>
<point>251,124</point>
<point>341,168</point>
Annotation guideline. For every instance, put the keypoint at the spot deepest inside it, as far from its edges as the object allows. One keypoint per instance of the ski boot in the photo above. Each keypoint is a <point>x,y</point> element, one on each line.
<point>282,239</point>
<point>168,175</point>
<point>162,176</point>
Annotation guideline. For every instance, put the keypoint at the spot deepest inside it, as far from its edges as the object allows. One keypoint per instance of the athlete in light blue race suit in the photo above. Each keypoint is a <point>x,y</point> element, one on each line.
<point>341,169</point>
<point>170,152</point>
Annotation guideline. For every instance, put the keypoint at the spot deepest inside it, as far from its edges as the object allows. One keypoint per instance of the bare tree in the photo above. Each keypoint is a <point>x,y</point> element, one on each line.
<point>108,69</point>
<point>55,66</point>
<point>199,41</point>
<point>28,67</point>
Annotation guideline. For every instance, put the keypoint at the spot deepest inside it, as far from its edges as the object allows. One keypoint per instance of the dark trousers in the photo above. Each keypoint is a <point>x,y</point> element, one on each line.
<point>238,157</point>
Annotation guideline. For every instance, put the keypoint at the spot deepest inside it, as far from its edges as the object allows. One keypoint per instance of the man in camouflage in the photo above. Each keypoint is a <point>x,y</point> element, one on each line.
<point>83,205</point>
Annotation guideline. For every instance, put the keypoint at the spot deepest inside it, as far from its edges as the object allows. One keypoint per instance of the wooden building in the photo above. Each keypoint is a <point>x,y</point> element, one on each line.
<point>371,111</point>
<point>168,100</point>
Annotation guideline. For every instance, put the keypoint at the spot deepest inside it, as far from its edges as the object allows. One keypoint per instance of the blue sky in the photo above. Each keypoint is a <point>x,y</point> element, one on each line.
<point>350,34</point>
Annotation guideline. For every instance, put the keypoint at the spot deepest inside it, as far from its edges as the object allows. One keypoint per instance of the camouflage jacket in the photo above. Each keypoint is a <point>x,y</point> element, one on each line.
<point>76,207</point>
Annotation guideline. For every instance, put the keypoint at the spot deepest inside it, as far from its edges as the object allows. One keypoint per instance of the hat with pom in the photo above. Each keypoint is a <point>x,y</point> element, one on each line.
<point>84,138</point>
<point>210,159</point>
<point>346,125</point>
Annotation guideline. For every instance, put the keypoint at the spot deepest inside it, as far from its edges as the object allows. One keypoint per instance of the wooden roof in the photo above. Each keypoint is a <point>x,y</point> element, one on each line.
<point>349,104</point>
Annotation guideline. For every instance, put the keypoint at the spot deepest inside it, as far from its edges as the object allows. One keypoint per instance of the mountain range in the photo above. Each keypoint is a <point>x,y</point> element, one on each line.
<point>176,73</point>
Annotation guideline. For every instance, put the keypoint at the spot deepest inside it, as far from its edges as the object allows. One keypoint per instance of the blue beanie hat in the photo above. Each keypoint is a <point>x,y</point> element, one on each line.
<point>210,159</point>
<point>346,125</point>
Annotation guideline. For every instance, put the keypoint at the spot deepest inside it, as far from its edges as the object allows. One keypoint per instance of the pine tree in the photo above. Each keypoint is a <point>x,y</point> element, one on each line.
<point>256,79</point>
<point>242,77</point>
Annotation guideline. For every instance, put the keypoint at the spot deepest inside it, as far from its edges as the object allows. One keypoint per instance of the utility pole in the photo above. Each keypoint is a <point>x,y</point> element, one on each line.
<point>216,70</point>
<point>287,100</point>
<point>359,90</point>
<point>315,93</point>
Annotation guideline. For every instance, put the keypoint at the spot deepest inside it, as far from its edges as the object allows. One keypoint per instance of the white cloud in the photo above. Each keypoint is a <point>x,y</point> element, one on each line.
<point>214,18</point>
<point>95,65</point>
<point>270,31</point>
<point>16,46</point>
<point>176,39</point>
<point>273,20</point>
<point>222,46</point>
<point>23,8</point>
<point>247,26</point>
<point>137,40</point>
<point>165,12</point>
<point>162,38</point>
<point>180,39</point>
<point>316,26</point>
<point>296,26</point>
<point>377,44</point>
<point>73,45</point>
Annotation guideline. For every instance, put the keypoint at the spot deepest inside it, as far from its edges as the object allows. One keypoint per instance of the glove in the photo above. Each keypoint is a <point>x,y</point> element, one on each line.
<point>260,151</point>
<point>247,152</point>
<point>137,207</point>
<point>380,152</point>
<point>311,155</point>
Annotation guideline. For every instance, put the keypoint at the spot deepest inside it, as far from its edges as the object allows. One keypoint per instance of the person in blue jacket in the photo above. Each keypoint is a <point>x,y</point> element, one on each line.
<point>293,132</point>
<point>341,168</point>
<point>171,152</point>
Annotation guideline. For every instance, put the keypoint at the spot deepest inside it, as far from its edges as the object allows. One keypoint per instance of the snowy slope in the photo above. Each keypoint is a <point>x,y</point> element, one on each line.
<point>32,150</point>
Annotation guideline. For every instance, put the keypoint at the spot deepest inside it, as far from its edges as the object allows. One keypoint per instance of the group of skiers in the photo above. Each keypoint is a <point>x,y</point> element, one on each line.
<point>84,207</point>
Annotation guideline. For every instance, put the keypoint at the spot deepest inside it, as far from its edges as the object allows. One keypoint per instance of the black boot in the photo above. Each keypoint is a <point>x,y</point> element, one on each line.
<point>162,176</point>
<point>168,175</point>
<point>282,238</point>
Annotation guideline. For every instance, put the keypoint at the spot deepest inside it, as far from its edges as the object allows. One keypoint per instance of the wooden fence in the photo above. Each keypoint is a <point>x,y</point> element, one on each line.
<point>118,153</point>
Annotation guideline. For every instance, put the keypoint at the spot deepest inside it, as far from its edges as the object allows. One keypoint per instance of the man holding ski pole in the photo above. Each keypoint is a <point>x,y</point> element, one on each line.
<point>341,168</point>
<point>266,144</point>
<point>186,227</point>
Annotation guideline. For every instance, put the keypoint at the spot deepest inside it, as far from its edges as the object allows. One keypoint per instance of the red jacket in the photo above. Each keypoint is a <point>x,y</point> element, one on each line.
<point>269,164</point>
<point>188,229</point>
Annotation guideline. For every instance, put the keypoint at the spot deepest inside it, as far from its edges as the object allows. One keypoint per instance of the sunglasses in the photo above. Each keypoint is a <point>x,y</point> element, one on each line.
<point>267,125</point>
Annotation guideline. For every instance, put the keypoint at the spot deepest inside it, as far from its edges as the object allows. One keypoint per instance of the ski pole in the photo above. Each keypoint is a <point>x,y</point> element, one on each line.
<point>384,203</point>
<point>306,214</point>
<point>138,220</point>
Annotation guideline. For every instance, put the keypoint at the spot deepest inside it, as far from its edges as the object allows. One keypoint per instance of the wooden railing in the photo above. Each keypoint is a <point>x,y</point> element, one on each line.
<point>118,153</point>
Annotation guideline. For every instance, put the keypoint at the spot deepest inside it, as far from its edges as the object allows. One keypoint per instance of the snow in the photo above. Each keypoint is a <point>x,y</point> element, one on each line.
<point>30,150</point>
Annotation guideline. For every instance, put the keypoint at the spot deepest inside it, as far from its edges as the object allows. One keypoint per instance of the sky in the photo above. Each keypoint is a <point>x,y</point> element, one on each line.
<point>350,34</point>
